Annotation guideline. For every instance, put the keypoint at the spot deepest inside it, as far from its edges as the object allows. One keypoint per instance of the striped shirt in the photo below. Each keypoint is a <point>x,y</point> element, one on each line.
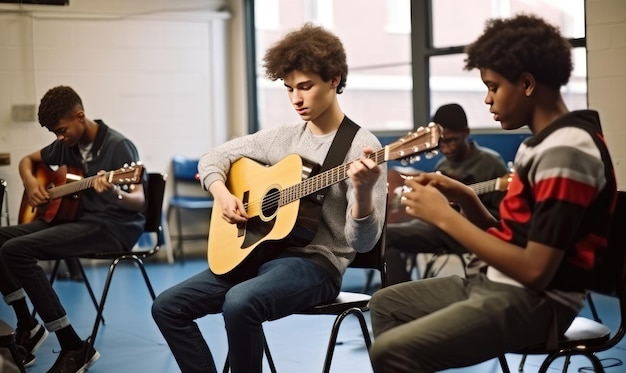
<point>562,195</point>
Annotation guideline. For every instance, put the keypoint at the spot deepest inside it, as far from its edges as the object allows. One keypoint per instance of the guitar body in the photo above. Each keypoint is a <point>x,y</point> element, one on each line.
<point>59,210</point>
<point>239,249</point>
<point>396,212</point>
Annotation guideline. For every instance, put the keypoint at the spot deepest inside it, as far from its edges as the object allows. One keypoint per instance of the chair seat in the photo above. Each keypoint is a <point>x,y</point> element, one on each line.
<point>191,202</point>
<point>343,301</point>
<point>586,329</point>
<point>581,329</point>
<point>117,254</point>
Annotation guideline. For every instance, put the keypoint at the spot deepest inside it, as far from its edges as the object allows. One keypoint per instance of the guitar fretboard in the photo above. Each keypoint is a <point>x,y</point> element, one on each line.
<point>485,186</point>
<point>71,188</point>
<point>323,180</point>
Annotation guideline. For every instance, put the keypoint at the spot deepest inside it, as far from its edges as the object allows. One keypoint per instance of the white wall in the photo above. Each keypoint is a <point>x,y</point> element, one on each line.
<point>606,48</point>
<point>155,70</point>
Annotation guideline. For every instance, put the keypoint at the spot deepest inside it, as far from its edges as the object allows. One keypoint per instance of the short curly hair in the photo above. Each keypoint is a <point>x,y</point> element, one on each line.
<point>57,103</point>
<point>309,49</point>
<point>522,44</point>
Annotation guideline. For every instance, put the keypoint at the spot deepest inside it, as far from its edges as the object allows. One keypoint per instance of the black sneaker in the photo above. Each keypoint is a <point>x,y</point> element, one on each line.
<point>28,359</point>
<point>31,344</point>
<point>75,361</point>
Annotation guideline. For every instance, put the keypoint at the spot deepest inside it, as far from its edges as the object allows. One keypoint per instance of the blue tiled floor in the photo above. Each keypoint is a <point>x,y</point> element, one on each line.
<point>130,341</point>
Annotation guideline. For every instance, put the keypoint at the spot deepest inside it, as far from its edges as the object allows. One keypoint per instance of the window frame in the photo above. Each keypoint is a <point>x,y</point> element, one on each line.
<point>422,49</point>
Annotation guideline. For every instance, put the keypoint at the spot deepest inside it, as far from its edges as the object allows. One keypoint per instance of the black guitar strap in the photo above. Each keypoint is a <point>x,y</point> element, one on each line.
<point>338,149</point>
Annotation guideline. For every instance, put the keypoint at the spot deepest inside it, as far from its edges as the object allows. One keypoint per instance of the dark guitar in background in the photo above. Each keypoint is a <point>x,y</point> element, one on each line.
<point>395,181</point>
<point>64,185</point>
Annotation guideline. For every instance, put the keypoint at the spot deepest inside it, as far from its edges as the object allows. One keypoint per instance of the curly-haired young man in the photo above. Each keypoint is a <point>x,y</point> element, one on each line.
<point>528,278</point>
<point>107,218</point>
<point>312,64</point>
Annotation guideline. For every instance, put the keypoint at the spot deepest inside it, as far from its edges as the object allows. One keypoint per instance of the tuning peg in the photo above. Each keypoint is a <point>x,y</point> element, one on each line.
<point>404,162</point>
<point>415,158</point>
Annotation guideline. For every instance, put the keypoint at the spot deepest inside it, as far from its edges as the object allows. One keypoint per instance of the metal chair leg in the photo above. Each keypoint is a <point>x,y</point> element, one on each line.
<point>268,356</point>
<point>53,275</point>
<point>107,285</point>
<point>503,364</point>
<point>335,331</point>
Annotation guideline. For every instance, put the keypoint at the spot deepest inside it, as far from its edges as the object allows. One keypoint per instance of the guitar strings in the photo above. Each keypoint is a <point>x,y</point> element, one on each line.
<point>310,185</point>
<point>313,184</point>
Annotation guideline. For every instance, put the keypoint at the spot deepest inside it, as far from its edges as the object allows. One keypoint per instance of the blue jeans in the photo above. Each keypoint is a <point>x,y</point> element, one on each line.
<point>22,245</point>
<point>282,287</point>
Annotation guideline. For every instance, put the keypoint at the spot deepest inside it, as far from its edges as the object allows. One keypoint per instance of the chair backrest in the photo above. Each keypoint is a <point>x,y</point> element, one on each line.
<point>184,168</point>
<point>4,207</point>
<point>154,208</point>
<point>3,188</point>
<point>375,258</point>
<point>610,274</point>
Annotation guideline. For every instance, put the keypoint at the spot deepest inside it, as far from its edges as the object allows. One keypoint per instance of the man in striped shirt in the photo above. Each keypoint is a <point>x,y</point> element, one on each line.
<point>531,268</point>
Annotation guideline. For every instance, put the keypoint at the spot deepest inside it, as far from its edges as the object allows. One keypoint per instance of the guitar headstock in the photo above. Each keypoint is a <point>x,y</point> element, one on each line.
<point>129,174</point>
<point>425,140</point>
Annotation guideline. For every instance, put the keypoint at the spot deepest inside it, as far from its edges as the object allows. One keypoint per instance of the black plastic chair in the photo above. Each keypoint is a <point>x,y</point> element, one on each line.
<point>346,303</point>
<point>4,203</point>
<point>153,226</point>
<point>185,171</point>
<point>586,336</point>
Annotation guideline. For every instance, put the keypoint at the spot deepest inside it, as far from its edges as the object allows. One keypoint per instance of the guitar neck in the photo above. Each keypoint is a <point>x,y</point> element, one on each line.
<point>320,181</point>
<point>71,188</point>
<point>485,186</point>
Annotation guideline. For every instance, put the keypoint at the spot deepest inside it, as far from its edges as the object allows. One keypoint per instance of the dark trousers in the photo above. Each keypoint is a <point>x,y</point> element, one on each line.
<point>21,246</point>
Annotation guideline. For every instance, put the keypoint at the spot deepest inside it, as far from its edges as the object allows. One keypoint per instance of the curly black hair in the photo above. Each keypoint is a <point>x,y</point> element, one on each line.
<point>524,43</point>
<point>309,49</point>
<point>57,103</point>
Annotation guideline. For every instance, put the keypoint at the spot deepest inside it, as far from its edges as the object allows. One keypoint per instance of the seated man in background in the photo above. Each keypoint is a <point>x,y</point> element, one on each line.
<point>106,217</point>
<point>464,161</point>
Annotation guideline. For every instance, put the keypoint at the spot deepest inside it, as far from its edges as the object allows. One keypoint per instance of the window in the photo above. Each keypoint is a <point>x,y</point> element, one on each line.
<point>455,24</point>
<point>398,16</point>
<point>379,89</point>
<point>405,57</point>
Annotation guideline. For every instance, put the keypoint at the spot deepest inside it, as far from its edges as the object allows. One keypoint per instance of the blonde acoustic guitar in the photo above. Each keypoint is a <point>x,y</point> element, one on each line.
<point>280,204</point>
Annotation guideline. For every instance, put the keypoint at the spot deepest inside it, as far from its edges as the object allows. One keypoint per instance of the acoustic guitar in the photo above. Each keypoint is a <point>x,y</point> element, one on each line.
<point>280,207</point>
<point>395,181</point>
<point>63,186</point>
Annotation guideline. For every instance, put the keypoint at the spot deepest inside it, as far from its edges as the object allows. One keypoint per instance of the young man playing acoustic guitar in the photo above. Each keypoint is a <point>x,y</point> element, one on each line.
<point>105,217</point>
<point>538,259</point>
<point>312,64</point>
<point>463,160</point>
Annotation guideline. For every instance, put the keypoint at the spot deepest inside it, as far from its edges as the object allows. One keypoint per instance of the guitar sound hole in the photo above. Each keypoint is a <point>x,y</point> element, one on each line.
<point>270,203</point>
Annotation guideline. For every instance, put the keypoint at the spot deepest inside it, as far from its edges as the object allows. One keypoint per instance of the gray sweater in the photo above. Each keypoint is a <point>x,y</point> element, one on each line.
<point>338,235</point>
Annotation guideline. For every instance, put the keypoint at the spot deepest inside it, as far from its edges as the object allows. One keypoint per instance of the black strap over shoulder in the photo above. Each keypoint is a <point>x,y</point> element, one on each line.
<point>338,150</point>
<point>341,143</point>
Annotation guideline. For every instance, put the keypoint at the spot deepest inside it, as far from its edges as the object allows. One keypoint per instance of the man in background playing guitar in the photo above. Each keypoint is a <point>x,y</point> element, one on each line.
<point>465,161</point>
<point>311,62</point>
<point>107,218</point>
